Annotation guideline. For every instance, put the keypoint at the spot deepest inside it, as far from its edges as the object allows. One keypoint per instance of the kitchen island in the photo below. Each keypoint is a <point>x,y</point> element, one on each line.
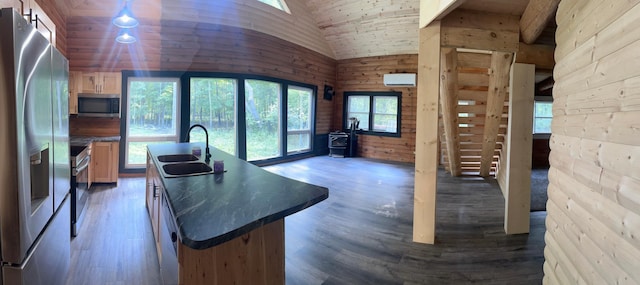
<point>222,228</point>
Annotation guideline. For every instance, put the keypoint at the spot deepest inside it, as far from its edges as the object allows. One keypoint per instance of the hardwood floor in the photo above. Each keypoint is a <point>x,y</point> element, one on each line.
<point>115,242</point>
<point>360,235</point>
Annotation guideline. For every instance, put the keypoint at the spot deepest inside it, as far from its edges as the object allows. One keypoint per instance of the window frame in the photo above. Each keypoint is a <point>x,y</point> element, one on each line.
<point>127,138</point>
<point>186,83</point>
<point>310,129</point>
<point>372,95</point>
<point>541,99</point>
<point>241,148</point>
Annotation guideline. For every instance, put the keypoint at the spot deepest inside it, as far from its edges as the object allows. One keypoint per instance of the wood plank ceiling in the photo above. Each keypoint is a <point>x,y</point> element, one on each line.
<point>350,29</point>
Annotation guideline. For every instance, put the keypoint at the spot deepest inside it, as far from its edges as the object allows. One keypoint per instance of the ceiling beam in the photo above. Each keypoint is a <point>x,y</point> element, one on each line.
<point>535,18</point>
<point>431,10</point>
<point>449,104</point>
<point>539,55</point>
<point>498,89</point>
<point>481,31</point>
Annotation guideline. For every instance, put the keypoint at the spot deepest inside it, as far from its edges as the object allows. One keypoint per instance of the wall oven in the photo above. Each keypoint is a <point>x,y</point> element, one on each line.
<point>98,105</point>
<point>80,159</point>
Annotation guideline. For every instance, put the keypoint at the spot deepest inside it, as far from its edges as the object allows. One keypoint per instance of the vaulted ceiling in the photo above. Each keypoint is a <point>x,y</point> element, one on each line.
<point>340,29</point>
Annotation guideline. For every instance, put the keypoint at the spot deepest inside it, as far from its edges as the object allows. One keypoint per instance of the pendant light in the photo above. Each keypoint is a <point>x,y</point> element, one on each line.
<point>125,37</point>
<point>125,18</point>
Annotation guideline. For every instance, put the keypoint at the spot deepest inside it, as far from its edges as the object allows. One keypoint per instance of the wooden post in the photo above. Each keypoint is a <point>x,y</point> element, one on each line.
<point>449,105</point>
<point>424,212</point>
<point>517,194</point>
<point>498,87</point>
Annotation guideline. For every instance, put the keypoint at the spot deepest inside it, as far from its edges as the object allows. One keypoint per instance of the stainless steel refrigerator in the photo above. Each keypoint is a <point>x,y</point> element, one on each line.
<point>34,147</point>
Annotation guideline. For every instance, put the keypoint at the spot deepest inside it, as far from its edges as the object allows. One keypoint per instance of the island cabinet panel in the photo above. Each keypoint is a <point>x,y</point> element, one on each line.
<point>593,212</point>
<point>153,190</point>
<point>253,258</point>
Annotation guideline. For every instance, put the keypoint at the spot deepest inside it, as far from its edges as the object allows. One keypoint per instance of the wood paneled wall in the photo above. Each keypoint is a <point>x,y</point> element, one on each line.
<point>94,126</point>
<point>593,220</point>
<point>188,46</point>
<point>366,74</point>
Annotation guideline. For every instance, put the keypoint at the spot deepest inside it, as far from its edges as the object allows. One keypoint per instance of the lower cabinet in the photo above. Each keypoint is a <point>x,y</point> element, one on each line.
<point>168,245</point>
<point>104,162</point>
<point>154,190</point>
<point>164,231</point>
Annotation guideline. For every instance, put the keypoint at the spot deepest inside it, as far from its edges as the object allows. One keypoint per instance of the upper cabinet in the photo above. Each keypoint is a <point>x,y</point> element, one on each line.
<point>31,10</point>
<point>100,82</point>
<point>73,91</point>
<point>92,83</point>
<point>15,4</point>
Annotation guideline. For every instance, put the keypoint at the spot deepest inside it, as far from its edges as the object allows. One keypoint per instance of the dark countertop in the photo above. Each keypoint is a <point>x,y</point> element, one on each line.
<point>84,141</point>
<point>215,208</point>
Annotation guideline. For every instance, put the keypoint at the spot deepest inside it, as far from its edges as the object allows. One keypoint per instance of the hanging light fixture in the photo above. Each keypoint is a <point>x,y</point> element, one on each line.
<point>125,37</point>
<point>125,18</point>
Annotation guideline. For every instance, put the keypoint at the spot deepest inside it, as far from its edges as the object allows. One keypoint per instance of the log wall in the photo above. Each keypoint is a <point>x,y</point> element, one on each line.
<point>186,46</point>
<point>366,74</point>
<point>593,220</point>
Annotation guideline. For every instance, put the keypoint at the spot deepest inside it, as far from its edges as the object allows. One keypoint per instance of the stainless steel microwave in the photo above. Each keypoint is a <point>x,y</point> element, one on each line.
<point>99,105</point>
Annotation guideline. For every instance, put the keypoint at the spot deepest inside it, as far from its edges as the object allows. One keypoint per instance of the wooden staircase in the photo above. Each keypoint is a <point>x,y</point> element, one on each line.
<point>474,110</point>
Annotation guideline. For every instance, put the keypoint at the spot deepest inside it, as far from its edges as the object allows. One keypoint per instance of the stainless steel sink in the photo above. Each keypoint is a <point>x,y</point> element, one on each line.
<point>186,169</point>
<point>177,157</point>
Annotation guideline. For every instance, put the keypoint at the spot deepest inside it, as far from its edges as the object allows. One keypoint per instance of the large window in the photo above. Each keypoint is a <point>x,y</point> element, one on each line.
<point>256,118</point>
<point>377,112</point>
<point>153,106</point>
<point>262,114</point>
<point>212,103</point>
<point>542,117</point>
<point>299,118</point>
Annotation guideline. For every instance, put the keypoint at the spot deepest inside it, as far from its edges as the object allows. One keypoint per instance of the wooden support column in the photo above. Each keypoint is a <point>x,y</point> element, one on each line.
<point>535,18</point>
<point>498,87</point>
<point>449,105</point>
<point>517,194</point>
<point>424,210</point>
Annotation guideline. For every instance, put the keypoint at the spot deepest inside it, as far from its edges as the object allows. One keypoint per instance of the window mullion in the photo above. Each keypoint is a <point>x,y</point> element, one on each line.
<point>371,112</point>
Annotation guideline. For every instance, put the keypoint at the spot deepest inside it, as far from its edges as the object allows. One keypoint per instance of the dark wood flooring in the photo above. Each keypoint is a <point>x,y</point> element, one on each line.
<point>360,235</point>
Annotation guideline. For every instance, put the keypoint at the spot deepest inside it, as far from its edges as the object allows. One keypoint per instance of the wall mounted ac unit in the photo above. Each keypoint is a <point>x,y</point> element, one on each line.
<point>400,80</point>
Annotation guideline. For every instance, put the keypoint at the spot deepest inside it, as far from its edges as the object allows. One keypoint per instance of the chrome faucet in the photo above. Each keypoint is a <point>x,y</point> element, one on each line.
<point>207,156</point>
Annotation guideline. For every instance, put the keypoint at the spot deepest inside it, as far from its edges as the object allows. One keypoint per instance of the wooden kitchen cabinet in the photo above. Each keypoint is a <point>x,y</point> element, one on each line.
<point>18,5</point>
<point>45,26</point>
<point>73,91</point>
<point>153,195</point>
<point>101,82</point>
<point>104,162</point>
